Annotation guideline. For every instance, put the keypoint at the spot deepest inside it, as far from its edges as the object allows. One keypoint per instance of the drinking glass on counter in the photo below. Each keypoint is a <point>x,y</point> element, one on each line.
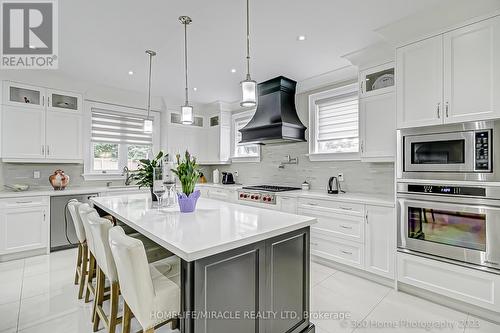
<point>158,185</point>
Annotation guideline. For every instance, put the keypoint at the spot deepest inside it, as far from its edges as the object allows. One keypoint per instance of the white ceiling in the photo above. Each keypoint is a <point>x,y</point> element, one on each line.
<point>100,41</point>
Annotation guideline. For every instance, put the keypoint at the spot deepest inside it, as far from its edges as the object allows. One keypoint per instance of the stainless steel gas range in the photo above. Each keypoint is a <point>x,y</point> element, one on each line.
<point>262,195</point>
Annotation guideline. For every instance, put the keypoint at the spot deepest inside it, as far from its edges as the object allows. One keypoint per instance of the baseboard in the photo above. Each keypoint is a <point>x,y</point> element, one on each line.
<point>22,255</point>
<point>355,271</point>
<point>450,302</point>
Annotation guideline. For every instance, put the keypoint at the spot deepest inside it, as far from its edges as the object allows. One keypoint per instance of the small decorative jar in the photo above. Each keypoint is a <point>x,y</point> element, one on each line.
<point>305,186</point>
<point>59,180</point>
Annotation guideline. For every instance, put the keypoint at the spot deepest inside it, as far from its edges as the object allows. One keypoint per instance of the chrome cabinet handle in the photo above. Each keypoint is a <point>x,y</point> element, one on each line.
<point>346,252</point>
<point>366,217</point>
<point>48,150</point>
<point>362,146</point>
<point>438,108</point>
<point>312,204</point>
<point>345,227</point>
<point>48,101</point>
<point>43,150</point>
<point>23,202</point>
<point>43,100</point>
<point>315,244</point>
<point>346,208</point>
<point>446,108</point>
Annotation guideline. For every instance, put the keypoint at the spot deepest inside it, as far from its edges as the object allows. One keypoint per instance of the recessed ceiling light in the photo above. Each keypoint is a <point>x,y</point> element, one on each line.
<point>195,89</point>
<point>233,70</point>
<point>130,73</point>
<point>301,37</point>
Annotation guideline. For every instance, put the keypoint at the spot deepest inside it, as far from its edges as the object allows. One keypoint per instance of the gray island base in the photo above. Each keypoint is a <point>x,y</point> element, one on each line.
<point>262,287</point>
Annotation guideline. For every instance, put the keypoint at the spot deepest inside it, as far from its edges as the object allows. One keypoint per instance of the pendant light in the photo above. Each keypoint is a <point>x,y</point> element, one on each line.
<point>186,109</point>
<point>248,86</point>
<point>148,123</point>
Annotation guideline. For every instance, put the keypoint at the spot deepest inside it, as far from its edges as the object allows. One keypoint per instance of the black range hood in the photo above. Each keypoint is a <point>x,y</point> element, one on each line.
<point>275,120</point>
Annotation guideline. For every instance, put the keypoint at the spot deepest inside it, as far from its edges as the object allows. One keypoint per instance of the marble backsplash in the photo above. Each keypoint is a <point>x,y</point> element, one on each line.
<point>360,177</point>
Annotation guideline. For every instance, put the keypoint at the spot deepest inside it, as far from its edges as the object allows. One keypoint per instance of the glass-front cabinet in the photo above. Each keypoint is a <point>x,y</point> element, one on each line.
<point>377,80</point>
<point>63,101</point>
<point>18,94</point>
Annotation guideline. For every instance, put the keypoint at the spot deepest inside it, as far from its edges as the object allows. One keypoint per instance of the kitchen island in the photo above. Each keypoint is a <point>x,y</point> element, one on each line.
<point>244,269</point>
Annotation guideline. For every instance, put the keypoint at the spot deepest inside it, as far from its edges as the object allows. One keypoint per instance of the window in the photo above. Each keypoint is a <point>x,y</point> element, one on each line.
<point>243,152</point>
<point>334,122</point>
<point>117,140</point>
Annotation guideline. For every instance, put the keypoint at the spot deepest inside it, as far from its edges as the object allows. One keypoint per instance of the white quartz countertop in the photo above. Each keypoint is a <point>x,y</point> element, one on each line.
<point>216,226</point>
<point>49,191</point>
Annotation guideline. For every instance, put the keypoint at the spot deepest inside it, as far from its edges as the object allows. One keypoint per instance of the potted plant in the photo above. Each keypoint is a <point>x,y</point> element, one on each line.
<point>188,173</point>
<point>144,173</point>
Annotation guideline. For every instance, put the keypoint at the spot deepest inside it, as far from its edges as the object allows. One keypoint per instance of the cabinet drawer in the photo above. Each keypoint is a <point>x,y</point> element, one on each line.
<point>24,202</point>
<point>219,194</point>
<point>462,283</point>
<point>350,227</point>
<point>332,206</point>
<point>336,249</point>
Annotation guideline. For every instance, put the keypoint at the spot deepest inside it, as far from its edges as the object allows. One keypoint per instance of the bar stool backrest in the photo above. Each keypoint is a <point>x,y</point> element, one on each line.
<point>99,227</point>
<point>73,205</point>
<point>84,210</point>
<point>136,284</point>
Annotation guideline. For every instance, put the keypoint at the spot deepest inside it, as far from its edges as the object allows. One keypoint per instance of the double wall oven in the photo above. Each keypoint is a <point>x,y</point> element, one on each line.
<point>447,199</point>
<point>460,223</point>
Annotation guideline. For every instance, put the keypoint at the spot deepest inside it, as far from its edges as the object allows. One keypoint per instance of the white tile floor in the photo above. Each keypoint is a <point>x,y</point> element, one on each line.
<point>38,295</point>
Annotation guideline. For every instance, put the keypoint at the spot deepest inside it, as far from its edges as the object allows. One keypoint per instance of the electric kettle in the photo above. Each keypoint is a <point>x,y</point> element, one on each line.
<point>333,185</point>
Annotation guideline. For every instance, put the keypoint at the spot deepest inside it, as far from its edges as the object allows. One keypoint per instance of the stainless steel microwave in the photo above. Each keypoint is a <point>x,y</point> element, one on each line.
<point>454,152</point>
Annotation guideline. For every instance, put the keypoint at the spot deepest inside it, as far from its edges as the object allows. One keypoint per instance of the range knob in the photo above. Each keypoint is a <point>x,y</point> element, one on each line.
<point>252,197</point>
<point>241,195</point>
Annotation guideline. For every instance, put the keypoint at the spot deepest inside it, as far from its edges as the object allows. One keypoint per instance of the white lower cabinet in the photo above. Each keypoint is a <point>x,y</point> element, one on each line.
<point>380,245</point>
<point>287,204</point>
<point>337,249</point>
<point>24,224</point>
<point>362,236</point>
<point>223,194</point>
<point>457,282</point>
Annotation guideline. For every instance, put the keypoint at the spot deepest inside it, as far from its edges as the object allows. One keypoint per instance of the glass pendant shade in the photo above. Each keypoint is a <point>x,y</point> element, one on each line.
<point>249,93</point>
<point>187,114</point>
<point>148,126</point>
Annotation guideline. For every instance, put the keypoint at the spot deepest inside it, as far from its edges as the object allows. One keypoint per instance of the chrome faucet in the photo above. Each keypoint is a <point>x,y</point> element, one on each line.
<point>288,160</point>
<point>128,176</point>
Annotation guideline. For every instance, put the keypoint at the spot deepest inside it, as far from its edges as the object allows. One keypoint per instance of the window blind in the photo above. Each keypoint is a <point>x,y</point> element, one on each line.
<point>124,128</point>
<point>338,118</point>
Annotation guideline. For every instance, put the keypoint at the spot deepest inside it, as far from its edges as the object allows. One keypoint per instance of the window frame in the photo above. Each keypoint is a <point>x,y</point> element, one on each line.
<point>236,117</point>
<point>89,172</point>
<point>314,154</point>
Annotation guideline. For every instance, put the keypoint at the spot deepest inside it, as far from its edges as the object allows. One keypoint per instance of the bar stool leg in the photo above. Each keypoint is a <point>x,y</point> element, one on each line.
<point>90,276</point>
<point>98,298</point>
<point>83,270</point>
<point>113,312</point>
<point>78,262</point>
<point>127,316</point>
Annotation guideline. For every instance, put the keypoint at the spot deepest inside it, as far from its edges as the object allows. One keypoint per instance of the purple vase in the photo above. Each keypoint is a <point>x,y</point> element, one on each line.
<point>187,204</point>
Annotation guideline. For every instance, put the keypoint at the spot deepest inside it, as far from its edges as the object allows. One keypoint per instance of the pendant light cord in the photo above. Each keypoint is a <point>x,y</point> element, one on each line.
<point>149,83</point>
<point>186,59</point>
<point>248,39</point>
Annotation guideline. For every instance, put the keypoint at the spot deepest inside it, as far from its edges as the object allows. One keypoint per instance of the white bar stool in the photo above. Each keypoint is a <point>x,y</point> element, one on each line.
<point>84,211</point>
<point>150,296</point>
<point>82,257</point>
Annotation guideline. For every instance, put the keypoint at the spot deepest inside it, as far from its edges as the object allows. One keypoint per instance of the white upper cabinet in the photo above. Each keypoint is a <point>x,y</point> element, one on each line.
<point>23,133</point>
<point>450,78</point>
<point>419,83</point>
<point>377,128</point>
<point>41,125</point>
<point>472,72</point>
<point>376,80</point>
<point>63,136</point>
<point>18,94</point>
<point>58,100</point>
